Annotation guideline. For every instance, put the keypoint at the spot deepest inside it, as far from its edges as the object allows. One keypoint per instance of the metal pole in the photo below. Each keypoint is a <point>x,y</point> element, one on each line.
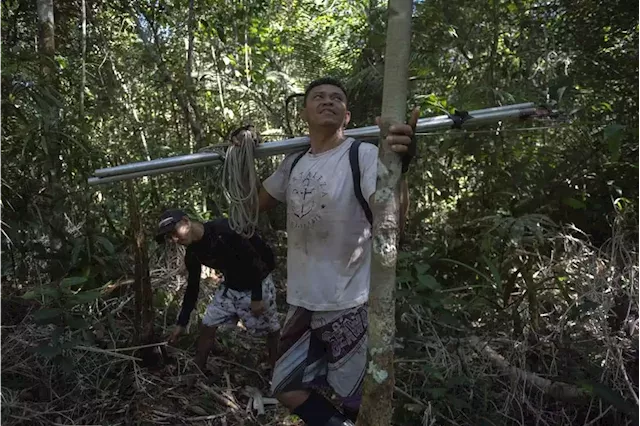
<point>127,176</point>
<point>184,162</point>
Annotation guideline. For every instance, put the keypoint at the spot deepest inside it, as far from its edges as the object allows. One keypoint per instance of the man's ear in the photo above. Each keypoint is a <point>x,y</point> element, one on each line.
<point>303,114</point>
<point>347,118</point>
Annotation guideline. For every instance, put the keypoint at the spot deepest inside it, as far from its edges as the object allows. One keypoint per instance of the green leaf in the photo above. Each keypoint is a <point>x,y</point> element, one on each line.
<point>46,316</point>
<point>84,297</point>
<point>576,204</point>
<point>437,393</point>
<point>71,343</point>
<point>56,334</point>
<point>66,364</point>
<point>48,351</point>
<point>76,322</point>
<point>49,291</point>
<point>428,282</point>
<point>77,249</point>
<point>611,396</point>
<point>403,255</point>
<point>613,136</point>
<point>494,272</point>
<point>30,295</point>
<point>106,244</point>
<point>432,372</point>
<point>422,268</point>
<point>73,281</point>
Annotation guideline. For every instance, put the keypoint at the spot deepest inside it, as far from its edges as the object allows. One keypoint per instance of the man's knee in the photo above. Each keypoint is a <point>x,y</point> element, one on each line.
<point>293,399</point>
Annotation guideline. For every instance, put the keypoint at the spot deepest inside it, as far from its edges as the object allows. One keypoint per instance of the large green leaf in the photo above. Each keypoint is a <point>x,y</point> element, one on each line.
<point>429,282</point>
<point>47,315</point>
<point>47,350</point>
<point>73,281</point>
<point>613,137</point>
<point>84,297</point>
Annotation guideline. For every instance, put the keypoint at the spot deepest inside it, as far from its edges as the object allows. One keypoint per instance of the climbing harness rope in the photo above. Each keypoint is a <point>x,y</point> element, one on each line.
<point>240,184</point>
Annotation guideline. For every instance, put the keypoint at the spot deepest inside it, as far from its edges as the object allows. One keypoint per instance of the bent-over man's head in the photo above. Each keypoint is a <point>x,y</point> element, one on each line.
<point>176,227</point>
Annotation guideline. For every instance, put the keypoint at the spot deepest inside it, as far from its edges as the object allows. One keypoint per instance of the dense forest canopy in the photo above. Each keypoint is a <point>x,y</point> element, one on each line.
<point>518,277</point>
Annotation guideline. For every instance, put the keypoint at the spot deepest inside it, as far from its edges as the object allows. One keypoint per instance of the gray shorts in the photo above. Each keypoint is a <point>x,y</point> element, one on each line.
<point>323,348</point>
<point>228,306</point>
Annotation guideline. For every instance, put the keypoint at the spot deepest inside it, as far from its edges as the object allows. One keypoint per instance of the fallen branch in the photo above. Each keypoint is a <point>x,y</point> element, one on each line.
<point>204,418</point>
<point>222,399</point>
<point>133,348</point>
<point>558,390</point>
<point>409,396</point>
<point>106,352</point>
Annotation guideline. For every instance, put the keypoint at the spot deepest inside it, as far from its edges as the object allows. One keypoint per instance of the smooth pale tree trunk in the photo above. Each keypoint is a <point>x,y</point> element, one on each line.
<point>379,384</point>
<point>49,140</point>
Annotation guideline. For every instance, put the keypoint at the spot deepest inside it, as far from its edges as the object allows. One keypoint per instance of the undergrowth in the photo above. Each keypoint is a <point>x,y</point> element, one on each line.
<point>535,327</point>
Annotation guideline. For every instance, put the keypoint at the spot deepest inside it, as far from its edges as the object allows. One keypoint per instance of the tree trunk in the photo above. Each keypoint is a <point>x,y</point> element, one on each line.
<point>143,294</point>
<point>83,70</point>
<point>377,404</point>
<point>188,81</point>
<point>152,47</point>
<point>50,144</point>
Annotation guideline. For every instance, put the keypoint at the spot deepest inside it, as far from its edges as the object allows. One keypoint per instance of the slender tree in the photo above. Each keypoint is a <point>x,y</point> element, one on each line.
<point>377,408</point>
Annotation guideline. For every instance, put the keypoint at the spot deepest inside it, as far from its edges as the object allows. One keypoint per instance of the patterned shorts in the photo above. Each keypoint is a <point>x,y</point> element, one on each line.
<point>320,348</point>
<point>228,306</point>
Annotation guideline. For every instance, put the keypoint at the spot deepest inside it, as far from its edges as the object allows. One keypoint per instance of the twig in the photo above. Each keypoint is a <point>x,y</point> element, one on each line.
<point>201,418</point>
<point>133,348</point>
<point>242,366</point>
<point>223,399</point>
<point>626,377</point>
<point>559,390</point>
<point>103,351</point>
<point>412,398</point>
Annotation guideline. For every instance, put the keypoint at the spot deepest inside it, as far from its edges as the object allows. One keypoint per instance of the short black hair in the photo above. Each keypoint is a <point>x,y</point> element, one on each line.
<point>324,80</point>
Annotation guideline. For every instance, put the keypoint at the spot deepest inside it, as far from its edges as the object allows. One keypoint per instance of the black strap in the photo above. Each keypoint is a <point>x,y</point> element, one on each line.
<point>354,161</point>
<point>295,161</point>
<point>458,118</point>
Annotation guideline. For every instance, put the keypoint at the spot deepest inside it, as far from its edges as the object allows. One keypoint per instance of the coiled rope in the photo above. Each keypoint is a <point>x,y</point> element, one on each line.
<point>241,184</point>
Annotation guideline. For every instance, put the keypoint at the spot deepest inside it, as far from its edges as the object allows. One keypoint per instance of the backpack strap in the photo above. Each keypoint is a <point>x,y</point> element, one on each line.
<point>354,161</point>
<point>295,161</point>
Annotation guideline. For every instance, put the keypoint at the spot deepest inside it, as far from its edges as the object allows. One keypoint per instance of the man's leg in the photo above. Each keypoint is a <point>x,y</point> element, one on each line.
<point>347,345</point>
<point>206,341</point>
<point>272,347</point>
<point>303,359</point>
<point>267,322</point>
<point>220,311</point>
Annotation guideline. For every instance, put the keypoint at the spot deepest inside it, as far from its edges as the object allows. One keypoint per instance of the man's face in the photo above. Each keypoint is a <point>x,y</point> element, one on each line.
<point>326,106</point>
<point>181,234</point>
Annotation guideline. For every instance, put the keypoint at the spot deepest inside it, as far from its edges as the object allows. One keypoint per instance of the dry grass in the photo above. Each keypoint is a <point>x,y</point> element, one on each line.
<point>107,384</point>
<point>528,381</point>
<point>445,374</point>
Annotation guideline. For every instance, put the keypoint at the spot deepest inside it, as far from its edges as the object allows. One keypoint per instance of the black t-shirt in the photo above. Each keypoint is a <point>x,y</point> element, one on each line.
<point>243,262</point>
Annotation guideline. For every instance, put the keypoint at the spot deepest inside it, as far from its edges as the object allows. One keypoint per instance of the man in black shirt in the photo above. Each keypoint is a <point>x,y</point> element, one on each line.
<point>248,291</point>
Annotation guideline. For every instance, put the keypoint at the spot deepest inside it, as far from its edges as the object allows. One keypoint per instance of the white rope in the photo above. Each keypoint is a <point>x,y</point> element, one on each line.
<point>240,185</point>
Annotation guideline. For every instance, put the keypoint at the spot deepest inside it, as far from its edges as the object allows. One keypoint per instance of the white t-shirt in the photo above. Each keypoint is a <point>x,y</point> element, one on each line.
<point>329,237</point>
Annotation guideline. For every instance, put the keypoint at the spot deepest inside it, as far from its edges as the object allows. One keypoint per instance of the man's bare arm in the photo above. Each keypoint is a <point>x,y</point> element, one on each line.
<point>265,200</point>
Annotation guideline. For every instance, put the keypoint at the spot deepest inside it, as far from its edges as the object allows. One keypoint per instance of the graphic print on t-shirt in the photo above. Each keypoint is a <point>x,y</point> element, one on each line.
<point>307,194</point>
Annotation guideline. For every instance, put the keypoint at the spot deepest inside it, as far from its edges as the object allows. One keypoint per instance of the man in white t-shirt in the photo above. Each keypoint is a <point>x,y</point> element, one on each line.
<point>324,338</point>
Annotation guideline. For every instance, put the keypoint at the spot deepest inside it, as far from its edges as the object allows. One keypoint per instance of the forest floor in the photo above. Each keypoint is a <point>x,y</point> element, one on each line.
<point>112,383</point>
<point>444,375</point>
